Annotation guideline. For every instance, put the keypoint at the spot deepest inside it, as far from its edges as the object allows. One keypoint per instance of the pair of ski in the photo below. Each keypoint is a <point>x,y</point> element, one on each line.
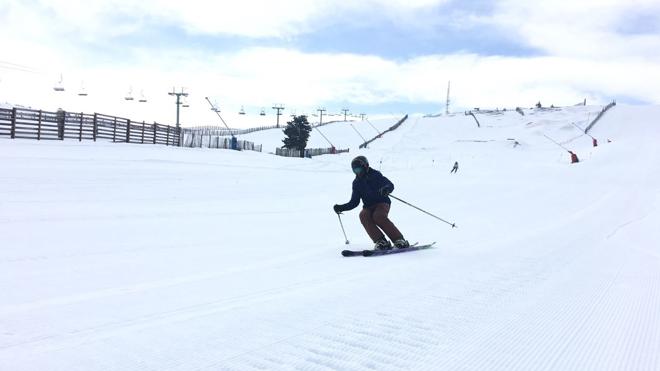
<point>414,247</point>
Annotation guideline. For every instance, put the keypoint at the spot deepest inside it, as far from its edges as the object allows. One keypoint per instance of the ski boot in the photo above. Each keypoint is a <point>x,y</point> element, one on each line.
<point>401,243</point>
<point>383,244</point>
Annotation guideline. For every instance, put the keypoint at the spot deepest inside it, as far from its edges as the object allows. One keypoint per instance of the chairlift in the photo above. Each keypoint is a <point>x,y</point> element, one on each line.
<point>142,98</point>
<point>59,86</point>
<point>242,111</point>
<point>263,112</point>
<point>129,96</point>
<point>83,91</point>
<point>185,104</point>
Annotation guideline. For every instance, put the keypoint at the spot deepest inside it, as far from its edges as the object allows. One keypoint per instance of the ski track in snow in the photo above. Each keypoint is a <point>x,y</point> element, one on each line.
<point>553,266</point>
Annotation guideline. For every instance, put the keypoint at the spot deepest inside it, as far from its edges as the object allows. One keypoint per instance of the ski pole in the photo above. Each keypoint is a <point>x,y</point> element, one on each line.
<point>453,225</point>
<point>342,228</point>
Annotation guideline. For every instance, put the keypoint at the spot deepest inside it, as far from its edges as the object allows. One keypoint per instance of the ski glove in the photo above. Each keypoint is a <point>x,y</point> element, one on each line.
<point>385,191</point>
<point>338,209</point>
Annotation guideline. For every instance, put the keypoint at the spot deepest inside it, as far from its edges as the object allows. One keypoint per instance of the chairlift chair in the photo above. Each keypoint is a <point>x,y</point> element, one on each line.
<point>83,91</point>
<point>59,86</point>
<point>263,112</point>
<point>142,98</point>
<point>129,96</point>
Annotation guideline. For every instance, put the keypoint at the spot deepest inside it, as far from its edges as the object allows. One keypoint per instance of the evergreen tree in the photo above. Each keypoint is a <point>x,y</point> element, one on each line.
<point>297,132</point>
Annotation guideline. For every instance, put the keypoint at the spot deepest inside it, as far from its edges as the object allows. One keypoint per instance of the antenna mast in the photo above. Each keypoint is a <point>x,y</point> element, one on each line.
<point>447,107</point>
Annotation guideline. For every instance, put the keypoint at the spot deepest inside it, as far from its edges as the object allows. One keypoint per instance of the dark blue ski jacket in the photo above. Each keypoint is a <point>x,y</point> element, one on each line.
<point>367,188</point>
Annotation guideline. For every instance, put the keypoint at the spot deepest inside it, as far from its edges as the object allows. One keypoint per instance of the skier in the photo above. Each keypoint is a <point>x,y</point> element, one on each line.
<point>455,168</point>
<point>373,188</point>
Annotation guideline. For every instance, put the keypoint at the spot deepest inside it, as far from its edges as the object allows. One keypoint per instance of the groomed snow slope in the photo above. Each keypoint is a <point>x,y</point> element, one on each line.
<point>140,257</point>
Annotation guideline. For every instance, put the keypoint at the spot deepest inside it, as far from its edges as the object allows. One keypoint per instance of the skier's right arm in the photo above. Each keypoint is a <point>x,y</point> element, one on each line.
<point>352,204</point>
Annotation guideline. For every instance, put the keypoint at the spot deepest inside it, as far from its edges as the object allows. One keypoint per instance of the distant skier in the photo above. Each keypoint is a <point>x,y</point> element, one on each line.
<point>455,168</point>
<point>373,188</point>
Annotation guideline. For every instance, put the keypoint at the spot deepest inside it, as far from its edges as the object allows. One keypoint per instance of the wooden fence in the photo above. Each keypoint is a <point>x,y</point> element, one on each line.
<point>223,131</point>
<point>600,114</point>
<point>21,123</point>
<point>392,128</point>
<point>200,139</point>
<point>309,152</point>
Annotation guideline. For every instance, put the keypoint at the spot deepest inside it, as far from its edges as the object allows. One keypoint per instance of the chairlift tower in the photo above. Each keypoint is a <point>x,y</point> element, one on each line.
<point>279,109</point>
<point>178,102</point>
<point>362,116</point>
<point>345,110</point>
<point>321,110</point>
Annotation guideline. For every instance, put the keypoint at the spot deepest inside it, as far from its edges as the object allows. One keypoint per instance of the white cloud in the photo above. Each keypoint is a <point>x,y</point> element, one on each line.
<point>98,19</point>
<point>587,28</point>
<point>578,63</point>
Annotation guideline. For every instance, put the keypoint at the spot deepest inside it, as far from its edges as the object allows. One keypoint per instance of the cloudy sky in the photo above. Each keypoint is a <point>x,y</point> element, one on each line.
<point>371,56</point>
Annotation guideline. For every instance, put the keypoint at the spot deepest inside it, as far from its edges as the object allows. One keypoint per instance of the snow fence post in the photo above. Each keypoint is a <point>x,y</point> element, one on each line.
<point>12,132</point>
<point>128,130</point>
<point>114,130</point>
<point>39,126</point>
<point>95,128</point>
<point>80,130</point>
<point>60,124</point>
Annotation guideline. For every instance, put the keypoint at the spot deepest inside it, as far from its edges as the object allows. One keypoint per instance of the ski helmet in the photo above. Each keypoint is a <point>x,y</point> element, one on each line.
<point>359,164</point>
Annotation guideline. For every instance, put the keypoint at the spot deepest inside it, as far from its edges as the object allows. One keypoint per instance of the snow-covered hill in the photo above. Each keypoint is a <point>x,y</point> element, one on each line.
<point>342,134</point>
<point>140,257</point>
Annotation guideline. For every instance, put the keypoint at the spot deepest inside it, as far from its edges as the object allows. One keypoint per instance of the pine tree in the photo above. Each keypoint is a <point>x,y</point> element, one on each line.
<point>297,133</point>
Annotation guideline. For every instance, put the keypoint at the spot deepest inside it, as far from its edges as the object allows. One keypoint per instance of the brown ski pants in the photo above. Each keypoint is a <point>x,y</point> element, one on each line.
<point>374,219</point>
